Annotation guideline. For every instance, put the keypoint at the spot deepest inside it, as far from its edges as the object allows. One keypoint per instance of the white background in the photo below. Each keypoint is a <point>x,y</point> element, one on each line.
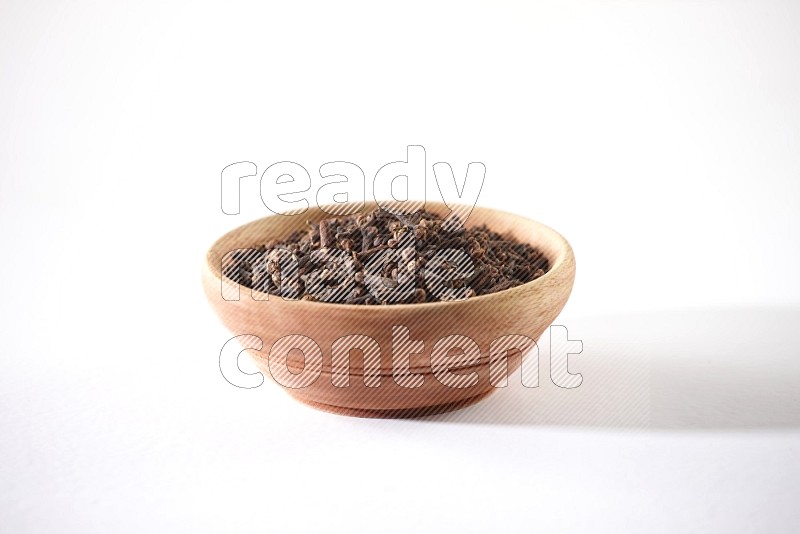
<point>661,138</point>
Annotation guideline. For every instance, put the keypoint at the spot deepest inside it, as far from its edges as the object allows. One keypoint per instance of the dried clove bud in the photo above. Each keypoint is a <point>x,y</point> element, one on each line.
<point>325,235</point>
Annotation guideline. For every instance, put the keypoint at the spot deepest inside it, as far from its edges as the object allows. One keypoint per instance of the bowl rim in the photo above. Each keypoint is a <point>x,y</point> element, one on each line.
<point>563,253</point>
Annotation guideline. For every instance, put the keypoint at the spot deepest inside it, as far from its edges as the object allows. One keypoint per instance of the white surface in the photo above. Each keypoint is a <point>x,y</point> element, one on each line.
<point>660,138</point>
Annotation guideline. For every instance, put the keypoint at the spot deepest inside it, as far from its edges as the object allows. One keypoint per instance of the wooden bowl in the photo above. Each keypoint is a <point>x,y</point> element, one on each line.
<point>384,390</point>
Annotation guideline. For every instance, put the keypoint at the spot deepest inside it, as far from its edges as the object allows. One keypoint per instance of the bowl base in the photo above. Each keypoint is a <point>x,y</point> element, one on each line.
<point>405,413</point>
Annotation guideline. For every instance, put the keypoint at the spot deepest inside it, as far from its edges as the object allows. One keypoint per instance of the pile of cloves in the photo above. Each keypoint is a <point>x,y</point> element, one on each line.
<point>338,257</point>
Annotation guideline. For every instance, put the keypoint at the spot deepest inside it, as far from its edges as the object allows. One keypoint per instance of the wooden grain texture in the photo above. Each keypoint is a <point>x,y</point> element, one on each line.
<point>527,309</point>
